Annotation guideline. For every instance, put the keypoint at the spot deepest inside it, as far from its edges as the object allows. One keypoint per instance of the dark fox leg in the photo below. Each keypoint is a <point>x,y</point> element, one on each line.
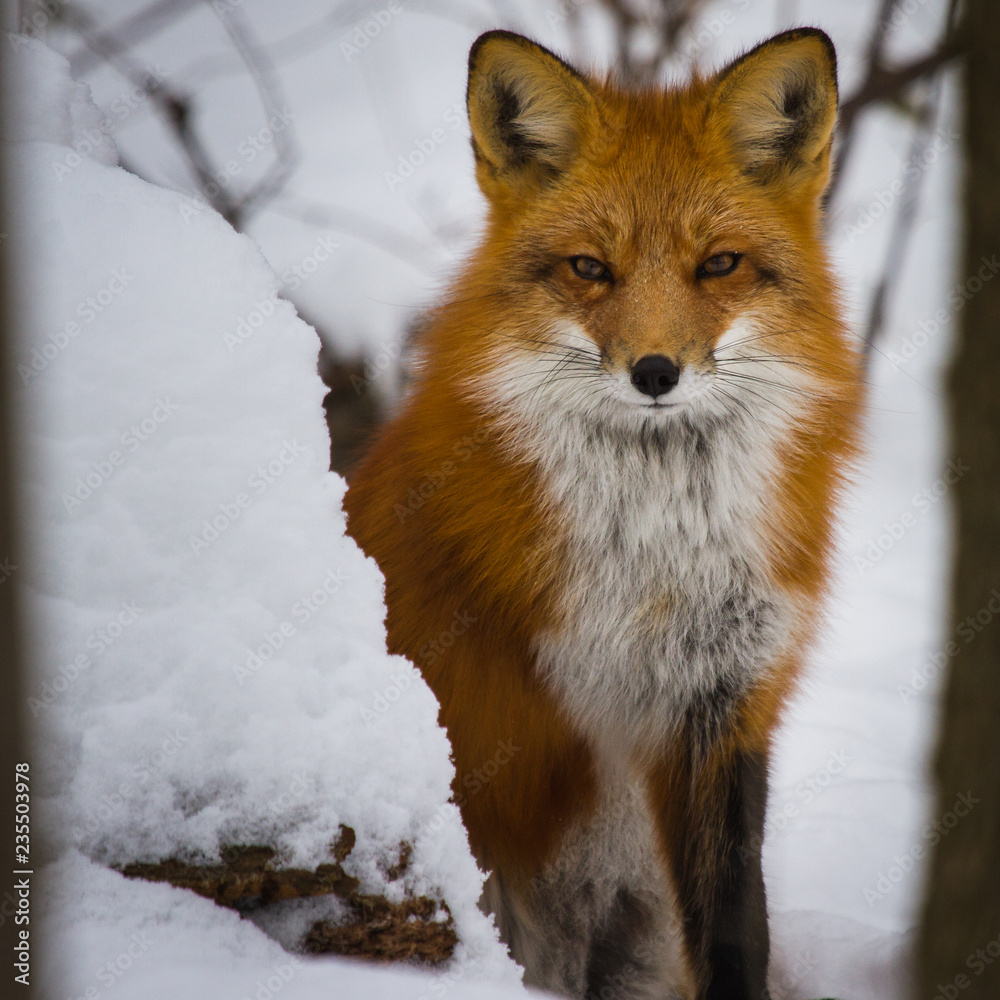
<point>709,802</point>
<point>738,939</point>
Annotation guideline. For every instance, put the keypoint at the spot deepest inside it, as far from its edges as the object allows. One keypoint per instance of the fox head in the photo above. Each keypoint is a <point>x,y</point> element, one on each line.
<point>653,255</point>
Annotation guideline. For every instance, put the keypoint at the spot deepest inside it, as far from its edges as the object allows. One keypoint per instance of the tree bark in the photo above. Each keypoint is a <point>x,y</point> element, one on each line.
<point>959,947</point>
<point>14,750</point>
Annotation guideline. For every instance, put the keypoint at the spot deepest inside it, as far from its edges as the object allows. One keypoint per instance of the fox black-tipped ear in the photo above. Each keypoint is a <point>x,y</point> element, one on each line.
<point>777,106</point>
<point>529,113</point>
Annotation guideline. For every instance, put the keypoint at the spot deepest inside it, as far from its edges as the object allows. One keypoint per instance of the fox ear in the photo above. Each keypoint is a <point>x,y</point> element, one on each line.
<point>529,112</point>
<point>777,106</point>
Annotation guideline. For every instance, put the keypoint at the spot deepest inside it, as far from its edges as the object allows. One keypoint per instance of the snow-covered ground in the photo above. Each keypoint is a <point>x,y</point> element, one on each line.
<point>211,663</point>
<point>207,638</point>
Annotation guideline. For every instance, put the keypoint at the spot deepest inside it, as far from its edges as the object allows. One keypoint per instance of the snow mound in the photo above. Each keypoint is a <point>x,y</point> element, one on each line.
<point>46,103</point>
<point>210,654</point>
<point>154,942</point>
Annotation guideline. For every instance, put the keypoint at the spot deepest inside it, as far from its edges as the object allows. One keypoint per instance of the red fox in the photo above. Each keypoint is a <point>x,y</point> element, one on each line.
<point>618,465</point>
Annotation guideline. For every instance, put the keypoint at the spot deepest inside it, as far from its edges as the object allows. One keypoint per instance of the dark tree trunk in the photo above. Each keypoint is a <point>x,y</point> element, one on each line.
<point>959,948</point>
<point>13,742</point>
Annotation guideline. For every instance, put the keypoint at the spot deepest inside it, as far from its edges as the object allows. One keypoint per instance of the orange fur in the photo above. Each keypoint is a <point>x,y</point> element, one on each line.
<point>654,184</point>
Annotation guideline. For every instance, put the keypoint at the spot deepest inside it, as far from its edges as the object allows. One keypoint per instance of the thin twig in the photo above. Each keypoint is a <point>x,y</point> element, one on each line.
<point>846,118</point>
<point>882,83</point>
<point>174,106</point>
<point>668,23</point>
<point>261,71</point>
<point>178,111</point>
<point>127,34</point>
<point>316,34</point>
<point>885,84</point>
<point>902,226</point>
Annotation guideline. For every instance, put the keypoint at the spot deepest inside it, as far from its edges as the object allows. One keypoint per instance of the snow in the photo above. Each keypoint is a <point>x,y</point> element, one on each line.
<point>47,104</point>
<point>109,936</point>
<point>210,648</point>
<point>212,749</point>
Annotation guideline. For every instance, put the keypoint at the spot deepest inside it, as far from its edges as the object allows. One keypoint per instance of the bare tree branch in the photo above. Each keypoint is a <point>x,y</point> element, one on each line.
<point>902,226</point>
<point>882,83</point>
<point>886,84</point>
<point>177,110</point>
<point>131,31</point>
<point>262,73</point>
<point>317,33</point>
<point>846,119</point>
<point>174,106</point>
<point>667,22</point>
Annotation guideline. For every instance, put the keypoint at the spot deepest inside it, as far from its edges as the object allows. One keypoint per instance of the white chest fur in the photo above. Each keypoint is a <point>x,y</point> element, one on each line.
<point>669,607</point>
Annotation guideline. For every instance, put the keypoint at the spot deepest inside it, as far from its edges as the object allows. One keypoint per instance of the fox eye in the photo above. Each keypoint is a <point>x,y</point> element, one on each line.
<point>719,264</point>
<point>589,268</point>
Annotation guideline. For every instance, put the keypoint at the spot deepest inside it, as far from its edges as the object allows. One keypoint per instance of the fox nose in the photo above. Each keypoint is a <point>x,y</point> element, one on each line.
<point>654,375</point>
